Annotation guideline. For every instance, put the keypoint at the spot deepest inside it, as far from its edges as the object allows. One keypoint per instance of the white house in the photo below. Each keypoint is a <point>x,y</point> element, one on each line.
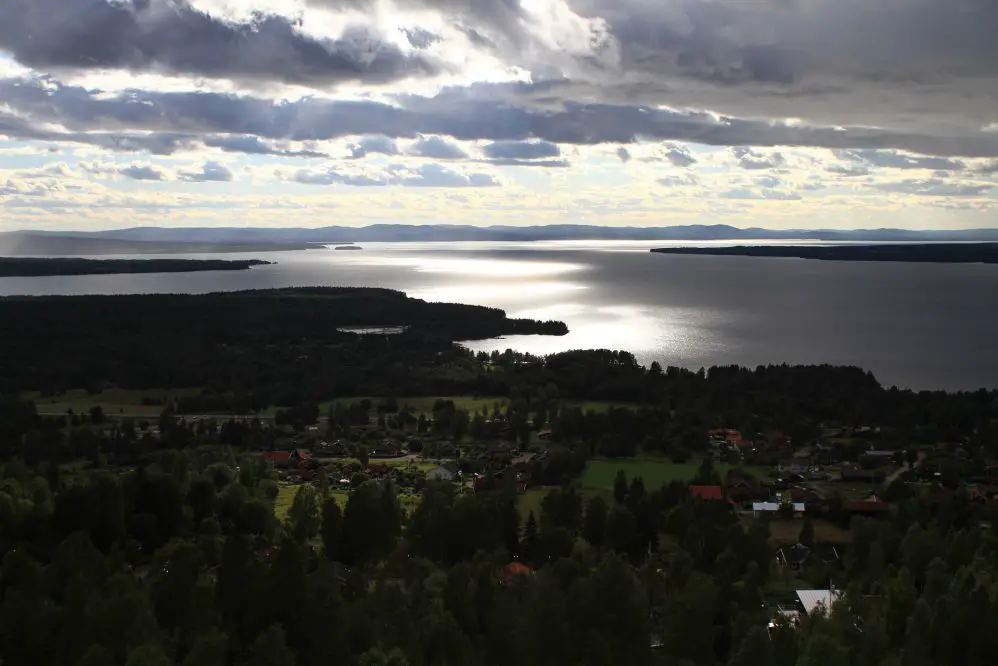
<point>771,508</point>
<point>818,600</point>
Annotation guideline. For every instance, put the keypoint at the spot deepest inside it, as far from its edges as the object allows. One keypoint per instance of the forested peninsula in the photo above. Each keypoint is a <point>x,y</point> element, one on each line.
<point>940,253</point>
<point>269,342</point>
<point>38,267</point>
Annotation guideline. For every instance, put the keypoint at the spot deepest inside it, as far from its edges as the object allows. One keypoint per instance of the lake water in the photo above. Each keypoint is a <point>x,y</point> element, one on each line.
<point>914,325</point>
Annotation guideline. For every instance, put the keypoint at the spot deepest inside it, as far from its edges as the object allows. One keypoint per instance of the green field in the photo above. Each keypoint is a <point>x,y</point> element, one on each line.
<point>286,495</point>
<point>424,405</point>
<point>653,471</point>
<point>112,401</point>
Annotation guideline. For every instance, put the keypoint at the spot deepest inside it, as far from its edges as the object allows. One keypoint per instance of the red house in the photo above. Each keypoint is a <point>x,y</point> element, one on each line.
<point>707,492</point>
<point>285,458</point>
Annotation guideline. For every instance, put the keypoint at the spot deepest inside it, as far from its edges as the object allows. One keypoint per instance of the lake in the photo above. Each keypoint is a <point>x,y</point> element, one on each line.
<point>914,325</point>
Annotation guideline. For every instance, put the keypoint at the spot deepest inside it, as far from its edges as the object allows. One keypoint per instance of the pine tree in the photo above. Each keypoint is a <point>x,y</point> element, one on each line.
<point>528,547</point>
<point>332,525</point>
<point>806,537</point>
<point>594,524</point>
<point>620,487</point>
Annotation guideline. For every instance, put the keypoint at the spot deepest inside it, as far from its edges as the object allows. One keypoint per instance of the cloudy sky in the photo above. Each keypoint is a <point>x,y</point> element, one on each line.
<point>776,113</point>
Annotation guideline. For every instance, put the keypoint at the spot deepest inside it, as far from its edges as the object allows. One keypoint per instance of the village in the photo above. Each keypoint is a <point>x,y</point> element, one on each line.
<point>809,494</point>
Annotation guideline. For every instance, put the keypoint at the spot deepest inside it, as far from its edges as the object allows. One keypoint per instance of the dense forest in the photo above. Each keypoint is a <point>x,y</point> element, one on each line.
<point>946,253</point>
<point>36,267</point>
<point>167,552</point>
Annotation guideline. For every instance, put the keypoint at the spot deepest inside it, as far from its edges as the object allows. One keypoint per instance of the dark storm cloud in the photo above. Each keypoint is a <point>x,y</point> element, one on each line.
<point>521,150</point>
<point>373,144</point>
<point>210,172</point>
<point>170,35</point>
<point>895,160</point>
<point>419,38</point>
<point>142,173</point>
<point>437,148</point>
<point>253,145</point>
<point>168,121</point>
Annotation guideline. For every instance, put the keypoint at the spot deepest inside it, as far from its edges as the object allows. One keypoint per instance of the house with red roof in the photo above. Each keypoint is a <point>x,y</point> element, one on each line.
<point>513,572</point>
<point>707,492</point>
<point>871,506</point>
<point>286,459</point>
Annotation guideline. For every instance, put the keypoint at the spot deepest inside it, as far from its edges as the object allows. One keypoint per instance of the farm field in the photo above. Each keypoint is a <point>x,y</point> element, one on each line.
<point>786,532</point>
<point>111,401</point>
<point>653,471</point>
<point>424,404</point>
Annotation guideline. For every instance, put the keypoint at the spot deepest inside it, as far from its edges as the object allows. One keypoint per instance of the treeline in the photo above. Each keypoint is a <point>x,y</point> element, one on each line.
<point>37,267</point>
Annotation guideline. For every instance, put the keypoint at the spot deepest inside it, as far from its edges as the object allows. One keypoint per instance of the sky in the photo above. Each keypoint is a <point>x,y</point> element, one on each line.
<point>797,114</point>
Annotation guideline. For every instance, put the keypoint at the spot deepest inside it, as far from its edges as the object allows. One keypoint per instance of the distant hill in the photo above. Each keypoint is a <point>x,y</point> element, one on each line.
<point>448,232</point>
<point>936,253</point>
<point>86,244</point>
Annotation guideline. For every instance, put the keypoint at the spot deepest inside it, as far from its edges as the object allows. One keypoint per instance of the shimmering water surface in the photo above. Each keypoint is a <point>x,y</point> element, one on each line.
<point>914,325</point>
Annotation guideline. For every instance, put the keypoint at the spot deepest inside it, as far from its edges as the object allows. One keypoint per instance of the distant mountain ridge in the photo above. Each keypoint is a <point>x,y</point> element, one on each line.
<point>448,232</point>
<point>82,244</point>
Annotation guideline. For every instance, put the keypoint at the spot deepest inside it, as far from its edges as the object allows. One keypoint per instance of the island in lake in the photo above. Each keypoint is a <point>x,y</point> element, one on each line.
<point>39,267</point>
<point>941,253</point>
<point>348,247</point>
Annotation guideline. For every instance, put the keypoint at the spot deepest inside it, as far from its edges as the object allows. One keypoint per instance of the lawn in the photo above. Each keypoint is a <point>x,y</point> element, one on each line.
<point>286,496</point>
<point>531,501</point>
<point>784,532</point>
<point>112,401</point>
<point>532,498</point>
<point>653,471</point>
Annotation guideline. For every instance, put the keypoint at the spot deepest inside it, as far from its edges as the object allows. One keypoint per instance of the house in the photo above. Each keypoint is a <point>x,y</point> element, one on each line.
<point>286,459</point>
<point>876,458</point>
<point>513,572</point>
<point>797,556</point>
<point>805,495</point>
<point>772,508</point>
<point>445,473</point>
<point>707,492</point>
<point>792,467</point>
<point>817,601</point>
<point>793,557</point>
<point>871,506</point>
<point>742,487</point>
